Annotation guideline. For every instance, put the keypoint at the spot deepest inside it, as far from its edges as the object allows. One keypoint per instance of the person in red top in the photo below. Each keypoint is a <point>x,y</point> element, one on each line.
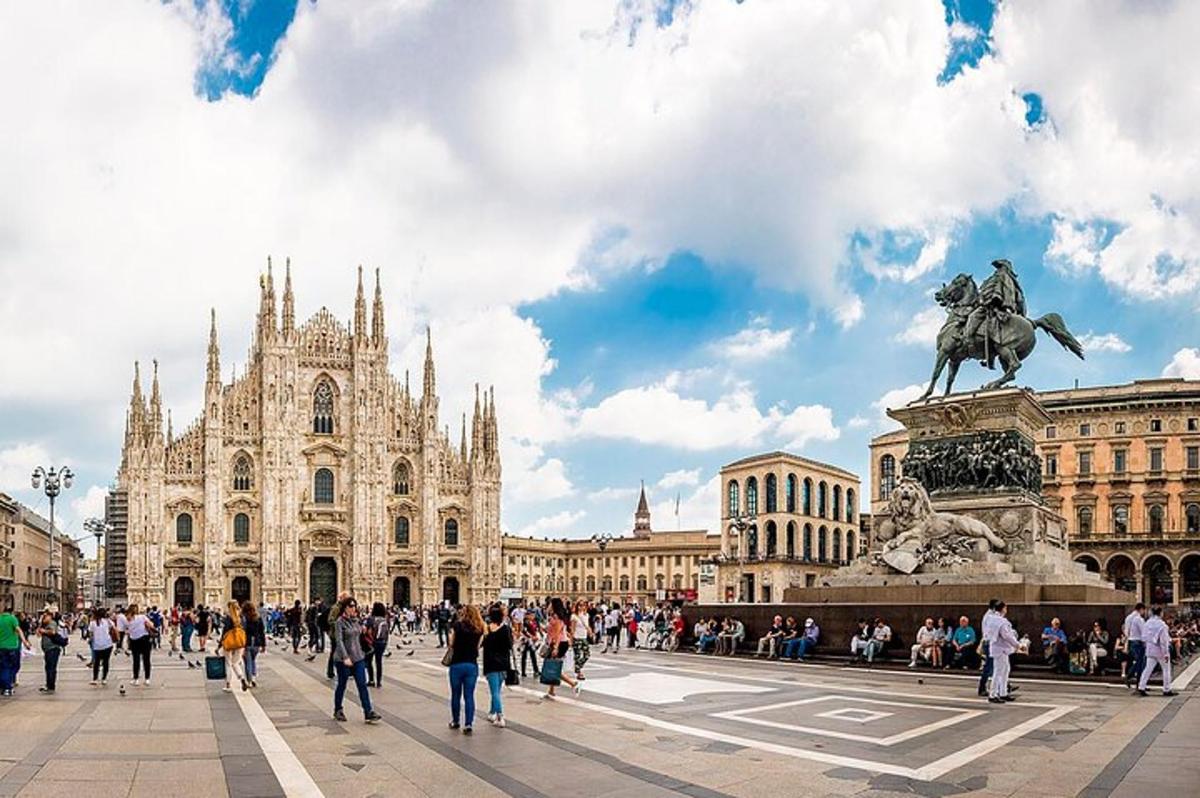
<point>676,632</point>
<point>631,623</point>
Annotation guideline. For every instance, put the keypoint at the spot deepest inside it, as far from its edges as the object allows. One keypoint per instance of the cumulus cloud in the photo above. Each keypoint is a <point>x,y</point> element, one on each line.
<point>675,479</point>
<point>1185,363</point>
<point>612,494</point>
<point>1103,342</point>
<point>699,509</point>
<point>807,423</point>
<point>753,343</point>
<point>558,525</point>
<point>17,463</point>
<point>897,397</point>
<point>923,328</point>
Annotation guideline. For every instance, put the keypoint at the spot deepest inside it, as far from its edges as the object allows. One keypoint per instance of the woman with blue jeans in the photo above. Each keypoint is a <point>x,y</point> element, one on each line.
<point>256,640</point>
<point>497,659</point>
<point>350,661</point>
<point>465,635</point>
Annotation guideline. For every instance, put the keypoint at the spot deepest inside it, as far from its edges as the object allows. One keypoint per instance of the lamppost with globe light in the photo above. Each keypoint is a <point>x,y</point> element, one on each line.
<point>99,528</point>
<point>56,481</point>
<point>602,540</point>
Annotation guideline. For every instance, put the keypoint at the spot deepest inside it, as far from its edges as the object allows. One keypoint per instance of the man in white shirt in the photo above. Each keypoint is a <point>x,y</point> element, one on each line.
<point>1002,642</point>
<point>879,640</point>
<point>985,628</point>
<point>1157,640</point>
<point>122,628</point>
<point>1134,630</point>
<point>926,641</point>
<point>612,629</point>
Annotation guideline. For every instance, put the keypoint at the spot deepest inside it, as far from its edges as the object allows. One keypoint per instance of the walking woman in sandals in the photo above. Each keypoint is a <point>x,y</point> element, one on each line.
<point>558,641</point>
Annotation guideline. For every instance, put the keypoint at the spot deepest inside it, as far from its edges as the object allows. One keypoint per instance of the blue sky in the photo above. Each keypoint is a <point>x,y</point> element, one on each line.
<point>663,265</point>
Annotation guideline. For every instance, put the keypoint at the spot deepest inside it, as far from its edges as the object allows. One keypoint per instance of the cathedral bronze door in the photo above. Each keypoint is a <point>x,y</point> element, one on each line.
<point>322,580</point>
<point>450,590</point>
<point>241,588</point>
<point>185,592</point>
<point>401,591</point>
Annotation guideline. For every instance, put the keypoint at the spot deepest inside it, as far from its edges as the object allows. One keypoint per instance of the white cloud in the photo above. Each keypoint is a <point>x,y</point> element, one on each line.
<point>849,312</point>
<point>923,328</point>
<point>698,510</point>
<point>858,422</point>
<point>675,479</point>
<point>612,494</point>
<point>17,463</point>
<point>1103,342</point>
<point>753,343</point>
<point>1185,363</point>
<point>807,423</point>
<point>558,525</point>
<point>897,397</point>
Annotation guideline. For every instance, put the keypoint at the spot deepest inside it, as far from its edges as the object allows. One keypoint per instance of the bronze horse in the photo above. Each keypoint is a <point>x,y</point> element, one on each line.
<point>1013,343</point>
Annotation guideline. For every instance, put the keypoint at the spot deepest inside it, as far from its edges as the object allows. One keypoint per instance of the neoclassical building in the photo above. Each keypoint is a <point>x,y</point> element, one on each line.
<point>645,566</point>
<point>785,521</point>
<point>313,471</point>
<point>1122,464</point>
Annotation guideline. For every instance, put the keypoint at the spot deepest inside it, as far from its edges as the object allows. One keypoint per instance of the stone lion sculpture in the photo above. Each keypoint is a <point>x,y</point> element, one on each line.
<point>914,525</point>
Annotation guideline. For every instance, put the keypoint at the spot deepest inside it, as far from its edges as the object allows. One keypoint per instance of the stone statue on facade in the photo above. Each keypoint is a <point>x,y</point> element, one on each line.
<point>988,323</point>
<point>914,534</point>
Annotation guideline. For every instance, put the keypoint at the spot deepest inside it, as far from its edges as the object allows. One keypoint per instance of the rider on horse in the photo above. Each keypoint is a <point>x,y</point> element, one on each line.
<point>999,295</point>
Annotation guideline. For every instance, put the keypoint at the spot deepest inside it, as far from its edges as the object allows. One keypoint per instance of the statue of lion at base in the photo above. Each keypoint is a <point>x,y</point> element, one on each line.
<point>913,519</point>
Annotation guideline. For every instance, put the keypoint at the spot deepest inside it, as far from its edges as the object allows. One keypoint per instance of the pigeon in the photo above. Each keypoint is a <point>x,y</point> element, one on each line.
<point>191,666</point>
<point>181,655</point>
<point>388,654</point>
<point>80,656</point>
<point>121,689</point>
<point>310,657</point>
<point>410,653</point>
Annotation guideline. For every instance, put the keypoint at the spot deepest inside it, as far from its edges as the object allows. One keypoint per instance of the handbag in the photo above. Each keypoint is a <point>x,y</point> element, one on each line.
<point>512,678</point>
<point>552,672</point>
<point>214,668</point>
<point>234,639</point>
<point>448,656</point>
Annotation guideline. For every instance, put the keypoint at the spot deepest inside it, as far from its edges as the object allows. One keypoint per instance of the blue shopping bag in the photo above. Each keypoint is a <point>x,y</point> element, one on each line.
<point>214,668</point>
<point>551,672</point>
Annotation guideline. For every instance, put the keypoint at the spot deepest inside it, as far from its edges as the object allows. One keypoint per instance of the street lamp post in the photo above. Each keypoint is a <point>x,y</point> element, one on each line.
<point>56,481</point>
<point>602,540</point>
<point>98,527</point>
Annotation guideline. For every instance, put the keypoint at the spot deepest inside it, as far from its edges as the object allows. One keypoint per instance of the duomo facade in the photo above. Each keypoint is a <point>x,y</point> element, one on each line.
<point>313,472</point>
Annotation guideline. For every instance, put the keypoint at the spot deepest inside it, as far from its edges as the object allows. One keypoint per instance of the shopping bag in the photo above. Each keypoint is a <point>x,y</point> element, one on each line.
<point>552,672</point>
<point>214,668</point>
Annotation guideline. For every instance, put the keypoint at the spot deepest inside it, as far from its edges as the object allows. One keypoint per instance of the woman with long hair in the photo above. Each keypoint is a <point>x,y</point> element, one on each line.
<point>497,659</point>
<point>233,643</point>
<point>350,659</point>
<point>102,635</point>
<point>139,630</point>
<point>378,627</point>
<point>558,640</point>
<point>579,637</point>
<point>256,640</point>
<point>465,634</point>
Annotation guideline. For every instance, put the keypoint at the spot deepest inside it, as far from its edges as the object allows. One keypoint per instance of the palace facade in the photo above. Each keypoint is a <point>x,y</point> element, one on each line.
<point>1122,464</point>
<point>313,472</point>
<point>785,521</point>
<point>645,566</point>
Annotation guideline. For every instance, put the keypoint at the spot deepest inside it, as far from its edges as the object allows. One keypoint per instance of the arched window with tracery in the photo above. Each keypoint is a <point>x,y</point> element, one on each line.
<point>401,531</point>
<point>591,584</point>
<point>887,476</point>
<point>734,508</point>
<point>241,529</point>
<point>323,402</point>
<point>400,485</point>
<point>772,494</point>
<point>243,477</point>
<point>323,486</point>
<point>751,496</point>
<point>624,584</point>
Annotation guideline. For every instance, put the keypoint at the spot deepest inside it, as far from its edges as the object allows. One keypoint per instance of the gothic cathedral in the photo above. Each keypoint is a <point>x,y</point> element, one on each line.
<point>313,472</point>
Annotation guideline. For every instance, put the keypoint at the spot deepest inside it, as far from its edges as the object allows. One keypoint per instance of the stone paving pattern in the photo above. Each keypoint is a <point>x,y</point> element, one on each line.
<point>184,736</point>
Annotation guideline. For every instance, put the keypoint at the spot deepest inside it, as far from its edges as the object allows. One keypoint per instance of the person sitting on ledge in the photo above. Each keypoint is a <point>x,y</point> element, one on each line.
<point>1054,640</point>
<point>791,635</point>
<point>879,640</point>
<point>859,641</point>
<point>962,645</point>
<point>771,639</point>
<point>926,645</point>
<point>731,636</point>
<point>808,640</point>
<point>706,635</point>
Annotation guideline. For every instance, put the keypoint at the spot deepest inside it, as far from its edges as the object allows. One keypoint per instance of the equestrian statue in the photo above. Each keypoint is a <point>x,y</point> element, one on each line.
<point>988,323</point>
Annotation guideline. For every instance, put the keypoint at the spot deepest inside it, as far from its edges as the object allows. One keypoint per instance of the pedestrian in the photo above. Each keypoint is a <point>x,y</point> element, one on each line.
<point>233,643</point>
<point>1003,643</point>
<point>122,625</point>
<point>558,641</point>
<point>464,637</point>
<point>203,619</point>
<point>1134,629</point>
<point>531,634</point>
<point>256,640</point>
<point>579,638</point>
<point>985,632</point>
<point>102,635</point>
<point>188,624</point>
<point>349,659</point>
<point>334,613</point>
<point>379,628</point>
<point>443,624</point>
<point>12,640</point>
<point>53,641</point>
<point>1157,639</point>
<point>497,661</point>
<point>295,615</point>
<point>140,631</point>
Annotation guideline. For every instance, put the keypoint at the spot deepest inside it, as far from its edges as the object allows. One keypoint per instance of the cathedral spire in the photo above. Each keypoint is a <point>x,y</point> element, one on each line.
<point>155,403</point>
<point>289,301</point>
<point>476,427</point>
<point>170,428</point>
<point>462,440</point>
<point>377,314</point>
<point>360,310</point>
<point>266,305</point>
<point>214,353</point>
<point>430,383</point>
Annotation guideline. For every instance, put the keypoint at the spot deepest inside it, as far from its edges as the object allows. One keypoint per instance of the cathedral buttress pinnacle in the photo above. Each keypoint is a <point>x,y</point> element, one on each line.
<point>360,311</point>
<point>430,382</point>
<point>155,403</point>
<point>214,354</point>
<point>289,301</point>
<point>377,334</point>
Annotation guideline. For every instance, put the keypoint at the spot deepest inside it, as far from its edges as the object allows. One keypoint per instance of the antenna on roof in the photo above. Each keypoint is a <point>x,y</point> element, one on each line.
<point>1076,383</point>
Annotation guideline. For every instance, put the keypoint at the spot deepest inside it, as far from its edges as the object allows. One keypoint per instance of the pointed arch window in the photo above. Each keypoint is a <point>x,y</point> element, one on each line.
<point>243,475</point>
<point>451,532</point>
<point>772,494</point>
<point>183,528</point>
<point>323,408</point>
<point>401,530</point>
<point>241,529</point>
<point>400,479</point>
<point>323,486</point>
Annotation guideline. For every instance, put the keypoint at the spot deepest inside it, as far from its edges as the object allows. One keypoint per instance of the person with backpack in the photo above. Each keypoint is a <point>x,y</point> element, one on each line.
<point>349,660</point>
<point>375,640</point>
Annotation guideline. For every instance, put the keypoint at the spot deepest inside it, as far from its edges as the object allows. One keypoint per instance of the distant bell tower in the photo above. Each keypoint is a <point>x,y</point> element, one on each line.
<point>641,518</point>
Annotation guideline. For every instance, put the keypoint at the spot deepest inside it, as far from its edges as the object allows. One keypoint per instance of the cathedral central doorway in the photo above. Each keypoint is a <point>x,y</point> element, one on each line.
<point>401,591</point>
<point>450,589</point>
<point>322,580</point>
<point>241,589</point>
<point>185,592</point>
